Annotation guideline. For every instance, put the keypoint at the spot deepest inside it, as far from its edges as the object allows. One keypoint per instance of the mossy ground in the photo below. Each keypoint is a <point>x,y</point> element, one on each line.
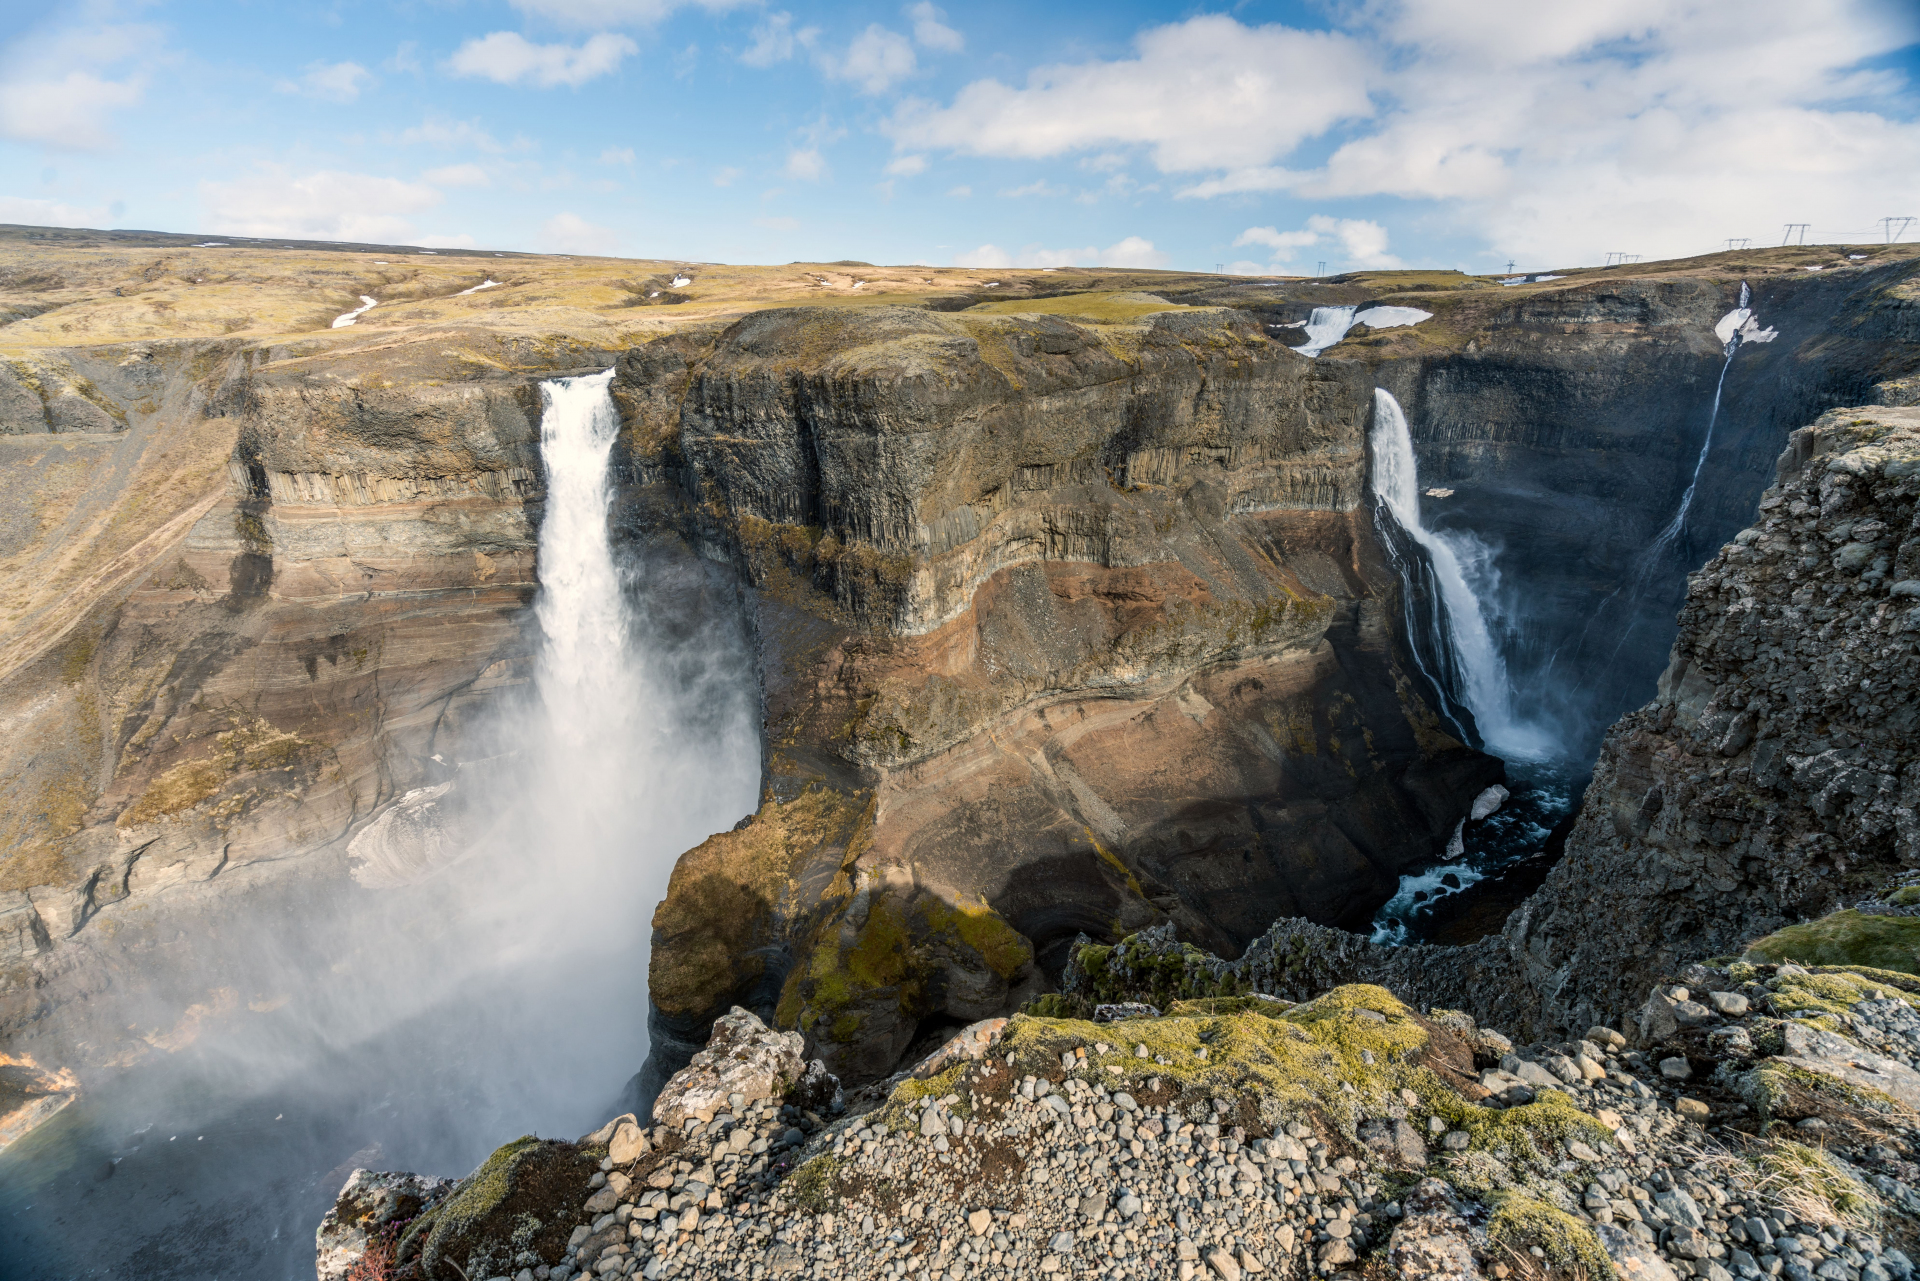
<point>1570,1246</point>
<point>521,1204</point>
<point>1846,938</point>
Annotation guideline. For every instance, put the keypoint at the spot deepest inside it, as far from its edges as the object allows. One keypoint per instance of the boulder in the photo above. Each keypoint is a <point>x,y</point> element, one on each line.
<point>969,1045</point>
<point>368,1203</point>
<point>1433,1241</point>
<point>744,1057</point>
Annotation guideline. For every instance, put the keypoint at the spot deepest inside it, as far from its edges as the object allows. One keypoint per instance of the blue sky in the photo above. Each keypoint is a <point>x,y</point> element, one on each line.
<point>1263,136</point>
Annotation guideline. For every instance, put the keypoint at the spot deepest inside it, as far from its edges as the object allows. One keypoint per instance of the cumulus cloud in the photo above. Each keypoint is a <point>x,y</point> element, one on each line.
<point>324,205</point>
<point>458,176</point>
<point>775,40</point>
<point>62,82</point>
<point>51,213</point>
<point>1202,94</point>
<point>70,111</point>
<point>438,131</point>
<point>1134,251</point>
<point>506,57</point>
<point>930,30</point>
<point>1556,133</point>
<point>591,14</point>
<point>907,166</point>
<point>331,81</point>
<point>875,61</point>
<point>806,164</point>
<point>570,233</point>
<point>1362,243</point>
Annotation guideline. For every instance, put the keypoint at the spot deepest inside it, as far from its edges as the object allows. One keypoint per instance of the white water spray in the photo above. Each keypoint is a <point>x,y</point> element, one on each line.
<point>1485,688</point>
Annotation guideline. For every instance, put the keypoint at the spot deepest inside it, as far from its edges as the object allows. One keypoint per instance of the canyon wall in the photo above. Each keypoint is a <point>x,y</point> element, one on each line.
<point>1773,778</point>
<point>1064,626</point>
<point>280,592</point>
<point>1567,425</point>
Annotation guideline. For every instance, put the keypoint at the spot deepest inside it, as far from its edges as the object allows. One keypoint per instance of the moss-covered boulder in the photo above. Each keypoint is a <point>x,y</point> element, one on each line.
<point>516,1211</point>
<point>1845,938</point>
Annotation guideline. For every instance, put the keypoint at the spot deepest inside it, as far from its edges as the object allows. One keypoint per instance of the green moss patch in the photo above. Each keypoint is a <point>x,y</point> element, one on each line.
<point>1846,939</point>
<point>1520,1221</point>
<point>517,1210</point>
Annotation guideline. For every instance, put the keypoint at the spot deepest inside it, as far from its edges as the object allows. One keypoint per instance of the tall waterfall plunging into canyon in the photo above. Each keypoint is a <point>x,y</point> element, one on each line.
<point>494,981</point>
<point>1472,669</point>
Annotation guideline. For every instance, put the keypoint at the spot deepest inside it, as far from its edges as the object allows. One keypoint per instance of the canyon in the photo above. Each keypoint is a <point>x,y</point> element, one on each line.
<point>1061,596</point>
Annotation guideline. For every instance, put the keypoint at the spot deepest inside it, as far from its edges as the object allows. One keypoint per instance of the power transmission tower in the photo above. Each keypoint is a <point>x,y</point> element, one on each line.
<point>1736,242</point>
<point>1320,270</point>
<point>1617,258</point>
<point>1894,233</point>
<point>1219,267</point>
<point>1509,266</point>
<point>1796,232</point>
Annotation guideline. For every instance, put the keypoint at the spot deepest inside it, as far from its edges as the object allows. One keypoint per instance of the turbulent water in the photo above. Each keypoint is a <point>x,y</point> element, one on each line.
<point>418,1028</point>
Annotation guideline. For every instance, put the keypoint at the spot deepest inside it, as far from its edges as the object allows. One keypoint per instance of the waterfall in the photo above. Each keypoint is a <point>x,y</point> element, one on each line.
<point>1737,326</point>
<point>1325,327</point>
<point>584,677</point>
<point>1455,562</point>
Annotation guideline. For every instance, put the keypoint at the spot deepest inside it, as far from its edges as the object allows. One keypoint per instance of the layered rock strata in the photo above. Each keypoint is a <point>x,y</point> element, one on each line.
<point>1774,777</point>
<point>330,593</point>
<point>1063,626</point>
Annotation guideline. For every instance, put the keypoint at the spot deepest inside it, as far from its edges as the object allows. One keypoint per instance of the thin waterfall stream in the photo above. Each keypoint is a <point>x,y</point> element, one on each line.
<point>419,1026</point>
<point>1455,645</point>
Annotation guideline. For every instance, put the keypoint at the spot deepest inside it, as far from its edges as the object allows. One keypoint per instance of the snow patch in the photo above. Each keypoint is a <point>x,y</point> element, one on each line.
<point>1438,493</point>
<point>1488,801</point>
<point>487,284</point>
<point>366,304</point>
<point>681,282</point>
<point>1391,317</point>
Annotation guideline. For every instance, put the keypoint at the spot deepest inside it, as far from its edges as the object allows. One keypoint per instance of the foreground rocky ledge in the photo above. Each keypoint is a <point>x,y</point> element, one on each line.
<point>1755,1119</point>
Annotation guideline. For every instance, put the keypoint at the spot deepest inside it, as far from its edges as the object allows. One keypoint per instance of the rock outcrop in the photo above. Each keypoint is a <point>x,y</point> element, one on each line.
<point>1349,1135</point>
<point>1063,625</point>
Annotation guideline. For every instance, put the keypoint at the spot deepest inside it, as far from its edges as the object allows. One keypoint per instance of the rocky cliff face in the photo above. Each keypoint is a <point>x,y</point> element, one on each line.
<point>1064,626</point>
<point>322,588</point>
<point>1568,424</point>
<point>1773,778</point>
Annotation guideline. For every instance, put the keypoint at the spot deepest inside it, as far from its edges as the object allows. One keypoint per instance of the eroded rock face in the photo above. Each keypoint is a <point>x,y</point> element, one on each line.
<point>1063,627</point>
<point>370,1206</point>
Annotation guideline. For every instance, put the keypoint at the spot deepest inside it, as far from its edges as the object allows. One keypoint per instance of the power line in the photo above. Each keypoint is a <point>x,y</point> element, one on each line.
<point>1796,232</point>
<point>1894,234</point>
<point>1617,258</point>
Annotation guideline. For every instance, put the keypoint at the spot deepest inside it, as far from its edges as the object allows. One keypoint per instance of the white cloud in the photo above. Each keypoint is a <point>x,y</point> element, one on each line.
<point>506,57</point>
<point>592,14</point>
<point>959,193</point>
<point>908,166</point>
<point>570,233</point>
<point>1038,187</point>
<point>1363,243</point>
<point>458,176</point>
<point>438,131</point>
<point>51,213</point>
<point>617,156</point>
<point>1134,251</point>
<point>775,40</point>
<point>807,164</point>
<point>930,30</point>
<point>1202,94</point>
<point>724,177</point>
<point>989,256</point>
<point>875,61</point>
<point>324,205</point>
<point>777,224</point>
<point>69,112</point>
<point>332,81</point>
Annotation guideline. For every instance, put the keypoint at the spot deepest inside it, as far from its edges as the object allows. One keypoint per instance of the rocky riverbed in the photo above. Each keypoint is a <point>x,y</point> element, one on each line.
<point>1753,1119</point>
